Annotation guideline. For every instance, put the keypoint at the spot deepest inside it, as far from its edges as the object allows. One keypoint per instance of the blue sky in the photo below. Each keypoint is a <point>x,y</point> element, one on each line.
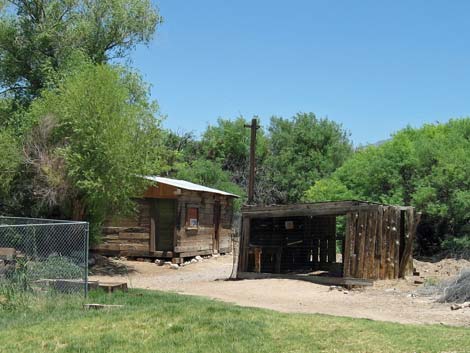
<point>373,66</point>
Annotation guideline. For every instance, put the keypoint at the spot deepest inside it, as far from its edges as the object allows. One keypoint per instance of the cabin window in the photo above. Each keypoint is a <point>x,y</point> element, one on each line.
<point>192,217</point>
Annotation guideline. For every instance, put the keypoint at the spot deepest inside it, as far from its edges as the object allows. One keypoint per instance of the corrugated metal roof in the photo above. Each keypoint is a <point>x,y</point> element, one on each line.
<point>183,184</point>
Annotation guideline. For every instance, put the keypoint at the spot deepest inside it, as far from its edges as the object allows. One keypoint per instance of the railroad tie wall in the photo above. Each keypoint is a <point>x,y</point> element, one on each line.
<point>379,242</point>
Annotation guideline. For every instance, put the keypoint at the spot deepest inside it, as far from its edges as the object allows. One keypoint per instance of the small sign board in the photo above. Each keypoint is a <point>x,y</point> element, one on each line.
<point>289,224</point>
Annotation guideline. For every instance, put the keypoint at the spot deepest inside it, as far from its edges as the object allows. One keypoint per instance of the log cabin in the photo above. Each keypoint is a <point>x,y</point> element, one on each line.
<point>176,219</point>
<point>347,242</point>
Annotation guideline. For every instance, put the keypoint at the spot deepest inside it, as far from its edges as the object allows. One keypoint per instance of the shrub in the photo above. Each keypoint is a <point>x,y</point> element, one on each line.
<point>457,247</point>
<point>55,267</point>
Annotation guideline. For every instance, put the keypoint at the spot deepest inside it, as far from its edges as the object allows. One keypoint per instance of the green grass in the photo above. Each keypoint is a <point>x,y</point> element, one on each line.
<point>165,322</point>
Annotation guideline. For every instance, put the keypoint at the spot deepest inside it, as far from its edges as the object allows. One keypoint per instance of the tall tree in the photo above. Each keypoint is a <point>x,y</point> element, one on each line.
<point>304,149</point>
<point>426,167</point>
<point>95,134</point>
<point>37,37</point>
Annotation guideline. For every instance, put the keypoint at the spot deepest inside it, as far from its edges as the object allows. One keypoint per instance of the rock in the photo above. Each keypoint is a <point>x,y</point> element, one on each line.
<point>91,261</point>
<point>159,262</point>
<point>168,263</point>
<point>186,263</point>
<point>460,306</point>
<point>122,258</point>
<point>193,261</point>
<point>198,258</point>
<point>174,266</point>
<point>345,292</point>
<point>216,255</point>
<point>339,288</point>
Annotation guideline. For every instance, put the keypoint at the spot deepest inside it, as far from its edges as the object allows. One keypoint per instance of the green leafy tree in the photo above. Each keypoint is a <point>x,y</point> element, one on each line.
<point>228,144</point>
<point>210,173</point>
<point>37,37</point>
<point>95,134</point>
<point>427,168</point>
<point>304,149</point>
<point>9,162</point>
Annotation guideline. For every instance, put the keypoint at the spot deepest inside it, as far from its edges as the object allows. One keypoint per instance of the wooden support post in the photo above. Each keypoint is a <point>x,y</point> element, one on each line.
<point>347,246</point>
<point>277,267</point>
<point>316,245</point>
<point>258,252</point>
<point>251,179</point>
<point>332,239</point>
<point>244,241</point>
<point>413,219</point>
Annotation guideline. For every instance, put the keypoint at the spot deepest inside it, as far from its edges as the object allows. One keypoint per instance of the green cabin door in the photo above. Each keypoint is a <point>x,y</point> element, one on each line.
<point>165,219</point>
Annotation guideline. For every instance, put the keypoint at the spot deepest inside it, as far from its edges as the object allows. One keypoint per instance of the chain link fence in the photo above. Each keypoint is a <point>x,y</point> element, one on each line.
<point>42,255</point>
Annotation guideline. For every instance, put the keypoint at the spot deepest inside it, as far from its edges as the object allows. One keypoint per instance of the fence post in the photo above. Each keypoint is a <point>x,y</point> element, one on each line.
<point>87,240</point>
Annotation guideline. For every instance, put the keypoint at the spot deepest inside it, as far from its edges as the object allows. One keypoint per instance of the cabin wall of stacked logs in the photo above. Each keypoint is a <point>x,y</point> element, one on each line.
<point>127,236</point>
<point>130,236</point>
<point>379,243</point>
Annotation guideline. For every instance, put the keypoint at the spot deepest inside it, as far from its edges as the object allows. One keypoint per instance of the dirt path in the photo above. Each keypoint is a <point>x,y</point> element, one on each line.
<point>394,301</point>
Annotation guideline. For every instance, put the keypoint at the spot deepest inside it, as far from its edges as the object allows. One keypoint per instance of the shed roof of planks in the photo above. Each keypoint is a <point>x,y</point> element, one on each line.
<point>186,185</point>
<point>313,208</point>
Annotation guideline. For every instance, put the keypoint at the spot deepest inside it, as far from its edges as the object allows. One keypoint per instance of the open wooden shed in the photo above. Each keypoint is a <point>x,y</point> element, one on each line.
<point>175,219</point>
<point>349,239</point>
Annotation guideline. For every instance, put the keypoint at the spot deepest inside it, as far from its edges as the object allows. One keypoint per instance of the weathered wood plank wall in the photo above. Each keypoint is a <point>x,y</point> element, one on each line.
<point>373,243</point>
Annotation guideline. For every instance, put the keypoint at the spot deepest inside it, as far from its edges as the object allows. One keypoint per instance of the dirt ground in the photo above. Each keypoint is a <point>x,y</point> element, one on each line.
<point>392,300</point>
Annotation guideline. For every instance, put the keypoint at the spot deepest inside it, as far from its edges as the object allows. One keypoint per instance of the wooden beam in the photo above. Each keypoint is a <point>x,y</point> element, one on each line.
<point>339,281</point>
<point>315,209</point>
<point>347,244</point>
<point>165,254</point>
<point>195,253</point>
<point>244,241</point>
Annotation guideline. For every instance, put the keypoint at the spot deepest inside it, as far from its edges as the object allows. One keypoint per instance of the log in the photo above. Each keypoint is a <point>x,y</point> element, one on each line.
<point>101,306</point>
<point>7,253</point>
<point>460,306</point>
<point>347,245</point>
<point>339,281</point>
<point>379,242</point>
<point>111,287</point>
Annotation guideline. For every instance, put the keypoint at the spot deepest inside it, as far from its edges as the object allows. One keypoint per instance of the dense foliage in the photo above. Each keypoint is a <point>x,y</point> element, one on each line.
<point>290,154</point>
<point>303,150</point>
<point>76,128</point>
<point>9,161</point>
<point>99,133</point>
<point>428,168</point>
<point>37,37</point>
